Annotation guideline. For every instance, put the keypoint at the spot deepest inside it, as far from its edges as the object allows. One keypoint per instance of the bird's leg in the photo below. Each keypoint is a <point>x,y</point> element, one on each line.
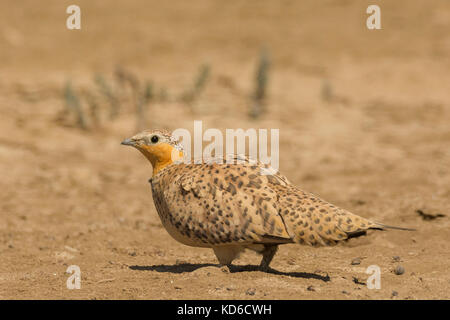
<point>268,254</point>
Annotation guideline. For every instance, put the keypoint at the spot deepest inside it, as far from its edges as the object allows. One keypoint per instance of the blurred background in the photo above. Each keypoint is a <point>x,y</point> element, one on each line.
<point>364,119</point>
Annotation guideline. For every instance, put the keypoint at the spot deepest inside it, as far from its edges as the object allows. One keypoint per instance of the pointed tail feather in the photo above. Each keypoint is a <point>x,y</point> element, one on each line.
<point>384,226</point>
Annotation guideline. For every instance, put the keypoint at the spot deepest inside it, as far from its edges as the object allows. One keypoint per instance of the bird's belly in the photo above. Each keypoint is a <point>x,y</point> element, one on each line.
<point>175,232</point>
<point>182,238</point>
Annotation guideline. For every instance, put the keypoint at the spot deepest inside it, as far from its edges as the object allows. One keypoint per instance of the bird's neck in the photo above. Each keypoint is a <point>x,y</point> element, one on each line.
<point>162,156</point>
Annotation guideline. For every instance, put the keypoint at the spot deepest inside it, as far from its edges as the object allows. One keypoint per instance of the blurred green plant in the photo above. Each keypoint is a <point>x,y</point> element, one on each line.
<point>107,90</point>
<point>326,91</point>
<point>142,95</point>
<point>261,79</point>
<point>73,105</point>
<point>94,108</point>
<point>143,98</point>
<point>199,84</point>
<point>125,89</point>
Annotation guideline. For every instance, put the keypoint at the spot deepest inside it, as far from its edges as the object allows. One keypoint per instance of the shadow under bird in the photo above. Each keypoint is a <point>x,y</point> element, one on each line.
<point>230,207</point>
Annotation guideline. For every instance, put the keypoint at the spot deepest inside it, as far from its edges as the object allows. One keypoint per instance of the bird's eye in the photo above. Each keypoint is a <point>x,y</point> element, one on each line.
<point>154,139</point>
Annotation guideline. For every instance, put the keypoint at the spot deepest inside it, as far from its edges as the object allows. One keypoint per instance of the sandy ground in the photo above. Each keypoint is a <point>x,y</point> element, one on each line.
<point>377,144</point>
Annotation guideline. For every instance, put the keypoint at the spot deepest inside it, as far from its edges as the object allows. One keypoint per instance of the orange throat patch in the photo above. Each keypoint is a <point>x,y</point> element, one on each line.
<point>161,155</point>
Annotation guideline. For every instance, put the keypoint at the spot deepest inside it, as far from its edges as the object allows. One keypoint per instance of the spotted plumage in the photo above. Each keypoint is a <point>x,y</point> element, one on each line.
<point>233,204</point>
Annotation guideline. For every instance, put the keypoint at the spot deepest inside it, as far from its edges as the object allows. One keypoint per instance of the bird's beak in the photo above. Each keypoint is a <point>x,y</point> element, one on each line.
<point>129,142</point>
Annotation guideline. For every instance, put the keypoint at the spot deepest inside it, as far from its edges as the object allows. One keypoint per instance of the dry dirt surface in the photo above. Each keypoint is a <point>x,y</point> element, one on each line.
<point>364,119</point>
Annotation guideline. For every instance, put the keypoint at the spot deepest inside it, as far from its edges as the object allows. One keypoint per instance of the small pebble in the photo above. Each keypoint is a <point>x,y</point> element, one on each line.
<point>396,258</point>
<point>310,288</point>
<point>357,281</point>
<point>291,262</point>
<point>250,292</point>
<point>394,293</point>
<point>356,261</point>
<point>399,270</point>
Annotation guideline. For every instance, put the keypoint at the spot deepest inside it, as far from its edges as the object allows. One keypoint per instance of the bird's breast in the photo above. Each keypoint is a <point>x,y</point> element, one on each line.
<point>176,230</point>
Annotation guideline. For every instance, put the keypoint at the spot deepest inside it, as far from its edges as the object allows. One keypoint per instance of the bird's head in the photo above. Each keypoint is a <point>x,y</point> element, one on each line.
<point>158,146</point>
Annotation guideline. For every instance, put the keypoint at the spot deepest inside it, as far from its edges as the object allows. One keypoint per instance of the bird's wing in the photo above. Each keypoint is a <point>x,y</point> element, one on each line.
<point>225,204</point>
<point>314,221</point>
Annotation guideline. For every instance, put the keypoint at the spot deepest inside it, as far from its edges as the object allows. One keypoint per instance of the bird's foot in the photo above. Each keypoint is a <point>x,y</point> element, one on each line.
<point>264,267</point>
<point>225,268</point>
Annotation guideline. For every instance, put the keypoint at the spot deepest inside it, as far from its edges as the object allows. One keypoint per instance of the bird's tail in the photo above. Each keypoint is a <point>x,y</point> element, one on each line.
<point>384,226</point>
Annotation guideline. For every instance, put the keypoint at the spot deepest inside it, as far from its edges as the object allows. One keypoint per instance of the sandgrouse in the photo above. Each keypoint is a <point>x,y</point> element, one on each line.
<point>230,207</point>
